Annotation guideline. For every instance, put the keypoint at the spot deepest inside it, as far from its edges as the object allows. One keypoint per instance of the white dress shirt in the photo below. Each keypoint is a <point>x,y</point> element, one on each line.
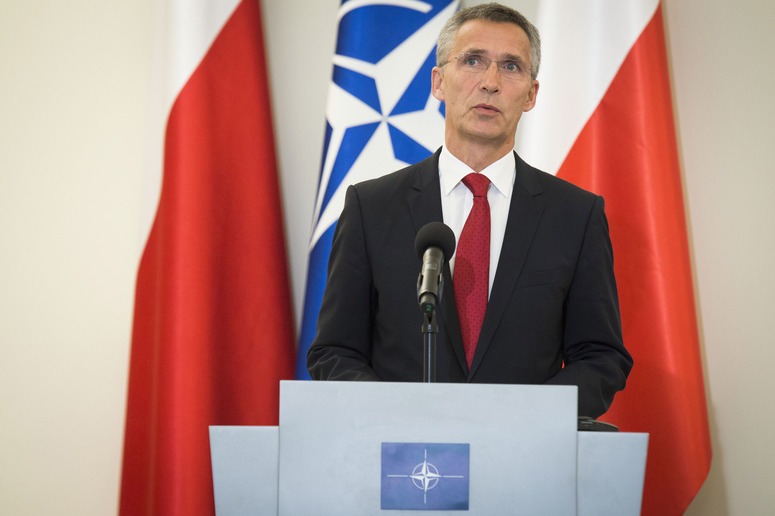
<point>457,200</point>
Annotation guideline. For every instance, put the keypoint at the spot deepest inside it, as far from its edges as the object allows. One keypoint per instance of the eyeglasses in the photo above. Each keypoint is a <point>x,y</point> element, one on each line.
<point>510,69</point>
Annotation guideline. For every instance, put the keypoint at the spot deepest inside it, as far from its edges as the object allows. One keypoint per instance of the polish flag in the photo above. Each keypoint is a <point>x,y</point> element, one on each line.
<point>213,331</point>
<point>604,121</point>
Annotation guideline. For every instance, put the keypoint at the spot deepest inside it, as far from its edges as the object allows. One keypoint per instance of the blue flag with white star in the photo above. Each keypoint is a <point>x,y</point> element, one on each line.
<point>425,476</point>
<point>381,117</point>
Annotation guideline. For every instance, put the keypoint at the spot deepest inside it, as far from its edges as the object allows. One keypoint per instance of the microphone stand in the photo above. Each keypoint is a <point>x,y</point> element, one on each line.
<point>429,331</point>
<point>433,243</point>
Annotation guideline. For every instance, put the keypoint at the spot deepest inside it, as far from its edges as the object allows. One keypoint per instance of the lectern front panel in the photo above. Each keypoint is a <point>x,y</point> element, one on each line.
<point>363,448</point>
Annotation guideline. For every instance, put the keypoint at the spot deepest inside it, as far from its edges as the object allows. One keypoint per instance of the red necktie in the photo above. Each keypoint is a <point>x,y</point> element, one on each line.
<point>472,265</point>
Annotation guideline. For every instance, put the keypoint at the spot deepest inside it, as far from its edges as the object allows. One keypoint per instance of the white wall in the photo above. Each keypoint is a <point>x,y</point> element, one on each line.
<point>723,86</point>
<point>73,98</point>
<point>74,85</point>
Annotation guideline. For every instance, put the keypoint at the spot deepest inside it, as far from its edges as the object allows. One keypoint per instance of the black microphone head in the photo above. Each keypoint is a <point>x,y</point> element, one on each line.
<point>435,234</point>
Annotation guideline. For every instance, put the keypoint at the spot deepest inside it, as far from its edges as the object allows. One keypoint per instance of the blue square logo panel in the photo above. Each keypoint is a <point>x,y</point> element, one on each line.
<point>425,476</point>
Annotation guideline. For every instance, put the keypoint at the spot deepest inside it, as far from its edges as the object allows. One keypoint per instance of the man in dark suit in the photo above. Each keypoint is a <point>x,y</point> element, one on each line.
<point>539,306</point>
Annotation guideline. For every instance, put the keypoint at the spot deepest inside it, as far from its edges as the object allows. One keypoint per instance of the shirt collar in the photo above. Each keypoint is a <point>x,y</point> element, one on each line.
<point>452,171</point>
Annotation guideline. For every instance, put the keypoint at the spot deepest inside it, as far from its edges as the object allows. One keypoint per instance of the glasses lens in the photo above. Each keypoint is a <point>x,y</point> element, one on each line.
<point>509,69</point>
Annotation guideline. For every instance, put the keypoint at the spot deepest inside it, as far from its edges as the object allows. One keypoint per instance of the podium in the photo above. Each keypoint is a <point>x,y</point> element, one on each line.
<point>362,448</point>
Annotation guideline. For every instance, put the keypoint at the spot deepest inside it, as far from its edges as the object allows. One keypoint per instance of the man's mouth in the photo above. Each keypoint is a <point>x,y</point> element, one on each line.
<point>486,108</point>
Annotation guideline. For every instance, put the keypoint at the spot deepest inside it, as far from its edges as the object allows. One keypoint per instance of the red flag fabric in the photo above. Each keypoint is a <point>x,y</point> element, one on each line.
<point>626,151</point>
<point>213,326</point>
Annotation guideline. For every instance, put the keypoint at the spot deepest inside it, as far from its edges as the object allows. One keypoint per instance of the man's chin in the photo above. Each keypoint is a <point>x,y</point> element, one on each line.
<point>488,135</point>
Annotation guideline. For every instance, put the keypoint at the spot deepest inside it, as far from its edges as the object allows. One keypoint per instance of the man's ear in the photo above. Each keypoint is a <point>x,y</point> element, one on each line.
<point>531,97</point>
<point>437,79</point>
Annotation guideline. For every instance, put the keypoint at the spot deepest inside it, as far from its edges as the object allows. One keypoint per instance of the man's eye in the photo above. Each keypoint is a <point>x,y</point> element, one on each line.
<point>472,61</point>
<point>511,66</point>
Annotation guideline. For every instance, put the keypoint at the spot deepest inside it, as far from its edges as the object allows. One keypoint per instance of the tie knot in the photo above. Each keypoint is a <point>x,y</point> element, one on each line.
<point>477,183</point>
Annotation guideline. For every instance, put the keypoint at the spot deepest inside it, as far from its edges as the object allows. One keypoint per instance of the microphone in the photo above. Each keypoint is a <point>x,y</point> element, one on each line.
<point>434,243</point>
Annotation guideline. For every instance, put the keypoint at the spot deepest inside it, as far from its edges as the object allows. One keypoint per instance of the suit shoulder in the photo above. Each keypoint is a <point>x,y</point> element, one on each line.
<point>400,179</point>
<point>537,181</point>
<point>552,181</point>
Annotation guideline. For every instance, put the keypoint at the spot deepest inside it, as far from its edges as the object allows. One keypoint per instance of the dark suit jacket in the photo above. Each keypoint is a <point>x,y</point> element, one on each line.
<point>553,312</point>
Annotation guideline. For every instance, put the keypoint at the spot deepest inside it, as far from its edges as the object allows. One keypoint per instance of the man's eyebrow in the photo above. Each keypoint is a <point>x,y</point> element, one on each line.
<point>503,57</point>
<point>512,57</point>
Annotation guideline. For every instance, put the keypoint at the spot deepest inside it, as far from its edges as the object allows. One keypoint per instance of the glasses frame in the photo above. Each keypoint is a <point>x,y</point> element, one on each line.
<point>524,73</point>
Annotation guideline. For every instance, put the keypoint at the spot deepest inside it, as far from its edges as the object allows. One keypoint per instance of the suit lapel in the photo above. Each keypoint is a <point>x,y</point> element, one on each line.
<point>424,197</point>
<point>424,201</point>
<point>525,211</point>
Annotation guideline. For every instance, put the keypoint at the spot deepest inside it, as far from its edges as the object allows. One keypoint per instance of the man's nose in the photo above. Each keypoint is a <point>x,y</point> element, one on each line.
<point>491,78</point>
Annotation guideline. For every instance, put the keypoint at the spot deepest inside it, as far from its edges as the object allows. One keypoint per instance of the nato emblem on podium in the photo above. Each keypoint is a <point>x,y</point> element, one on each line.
<point>425,476</point>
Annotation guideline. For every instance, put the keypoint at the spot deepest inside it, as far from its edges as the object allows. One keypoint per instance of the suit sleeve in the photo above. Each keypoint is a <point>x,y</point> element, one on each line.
<point>594,355</point>
<point>341,349</point>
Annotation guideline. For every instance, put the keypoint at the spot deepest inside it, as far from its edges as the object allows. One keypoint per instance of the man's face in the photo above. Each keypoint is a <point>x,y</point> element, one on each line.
<point>484,108</point>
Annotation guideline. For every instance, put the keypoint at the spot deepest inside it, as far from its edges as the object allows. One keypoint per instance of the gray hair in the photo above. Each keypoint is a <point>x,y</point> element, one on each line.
<point>492,12</point>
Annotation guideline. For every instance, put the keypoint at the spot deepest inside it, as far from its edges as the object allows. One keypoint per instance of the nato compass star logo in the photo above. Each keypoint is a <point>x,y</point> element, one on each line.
<point>425,476</point>
<point>381,115</point>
